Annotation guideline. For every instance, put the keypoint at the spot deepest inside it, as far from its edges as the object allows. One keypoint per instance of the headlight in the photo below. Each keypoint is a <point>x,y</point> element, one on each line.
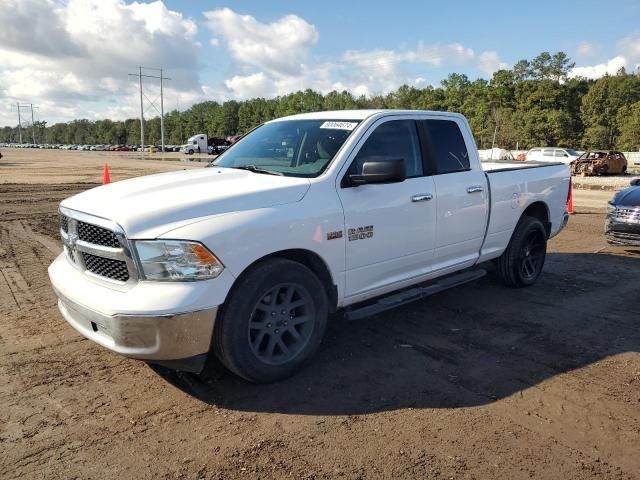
<point>611,208</point>
<point>177,260</point>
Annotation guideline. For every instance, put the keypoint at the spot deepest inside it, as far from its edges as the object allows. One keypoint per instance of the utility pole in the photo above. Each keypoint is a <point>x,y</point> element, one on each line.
<point>19,107</point>
<point>19,124</point>
<point>33,125</point>
<point>161,112</point>
<point>141,110</point>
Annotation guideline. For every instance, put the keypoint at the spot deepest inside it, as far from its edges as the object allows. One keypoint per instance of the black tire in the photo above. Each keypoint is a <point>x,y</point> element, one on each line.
<point>521,263</point>
<point>255,338</point>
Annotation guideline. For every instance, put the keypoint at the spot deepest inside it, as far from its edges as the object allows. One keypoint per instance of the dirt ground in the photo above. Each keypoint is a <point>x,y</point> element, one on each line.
<point>478,382</point>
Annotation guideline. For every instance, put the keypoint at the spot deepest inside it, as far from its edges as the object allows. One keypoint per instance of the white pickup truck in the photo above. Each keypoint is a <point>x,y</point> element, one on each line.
<point>352,212</point>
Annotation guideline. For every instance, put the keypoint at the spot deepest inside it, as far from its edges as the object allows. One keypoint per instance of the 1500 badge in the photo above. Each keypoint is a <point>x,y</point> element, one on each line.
<point>360,233</point>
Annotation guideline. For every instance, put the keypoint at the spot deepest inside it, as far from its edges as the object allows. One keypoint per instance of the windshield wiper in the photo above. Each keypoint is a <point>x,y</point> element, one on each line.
<point>254,169</point>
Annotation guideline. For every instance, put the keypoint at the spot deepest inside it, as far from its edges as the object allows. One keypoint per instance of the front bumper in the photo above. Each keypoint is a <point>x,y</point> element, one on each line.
<point>622,233</point>
<point>182,339</point>
<point>170,323</point>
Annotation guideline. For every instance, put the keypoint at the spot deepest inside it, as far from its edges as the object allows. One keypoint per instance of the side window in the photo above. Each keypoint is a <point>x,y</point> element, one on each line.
<point>447,146</point>
<point>394,139</point>
<point>547,152</point>
<point>561,153</point>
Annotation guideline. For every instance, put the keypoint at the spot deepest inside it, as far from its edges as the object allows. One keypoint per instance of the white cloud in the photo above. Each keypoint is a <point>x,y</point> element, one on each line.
<point>586,49</point>
<point>214,42</point>
<point>600,70</point>
<point>279,48</point>
<point>251,86</point>
<point>489,62</point>
<point>72,58</point>
<point>629,47</point>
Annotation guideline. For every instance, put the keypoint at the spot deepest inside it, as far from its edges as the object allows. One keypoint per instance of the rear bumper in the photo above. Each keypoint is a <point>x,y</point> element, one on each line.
<point>563,223</point>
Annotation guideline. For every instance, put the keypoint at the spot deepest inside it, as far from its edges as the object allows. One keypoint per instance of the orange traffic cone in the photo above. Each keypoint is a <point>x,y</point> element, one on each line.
<point>105,175</point>
<point>570,199</point>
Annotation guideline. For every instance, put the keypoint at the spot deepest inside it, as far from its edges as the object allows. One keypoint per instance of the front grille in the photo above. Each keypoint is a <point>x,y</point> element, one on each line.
<point>96,245</point>
<point>64,222</point>
<point>106,267</point>
<point>97,235</point>
<point>627,214</point>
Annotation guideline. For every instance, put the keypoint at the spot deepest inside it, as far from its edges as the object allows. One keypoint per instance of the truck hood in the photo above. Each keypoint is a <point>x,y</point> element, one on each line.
<point>147,207</point>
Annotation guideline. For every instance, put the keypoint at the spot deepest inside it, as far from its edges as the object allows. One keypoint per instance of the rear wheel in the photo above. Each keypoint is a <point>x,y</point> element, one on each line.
<point>272,322</point>
<point>521,263</point>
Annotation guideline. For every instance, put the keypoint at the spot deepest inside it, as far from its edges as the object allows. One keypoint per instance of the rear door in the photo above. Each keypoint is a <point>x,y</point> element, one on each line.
<point>461,193</point>
<point>390,228</point>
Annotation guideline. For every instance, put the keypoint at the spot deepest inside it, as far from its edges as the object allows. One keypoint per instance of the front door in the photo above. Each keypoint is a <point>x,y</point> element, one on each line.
<point>389,227</point>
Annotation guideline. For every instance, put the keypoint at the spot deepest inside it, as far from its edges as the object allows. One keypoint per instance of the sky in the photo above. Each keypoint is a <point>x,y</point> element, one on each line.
<point>72,58</point>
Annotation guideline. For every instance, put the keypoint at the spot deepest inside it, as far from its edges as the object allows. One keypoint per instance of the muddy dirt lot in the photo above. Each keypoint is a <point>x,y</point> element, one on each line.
<point>478,382</point>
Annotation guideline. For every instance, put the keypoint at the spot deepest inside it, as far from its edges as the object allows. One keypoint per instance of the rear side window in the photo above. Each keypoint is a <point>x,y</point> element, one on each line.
<point>446,146</point>
<point>548,152</point>
<point>394,139</point>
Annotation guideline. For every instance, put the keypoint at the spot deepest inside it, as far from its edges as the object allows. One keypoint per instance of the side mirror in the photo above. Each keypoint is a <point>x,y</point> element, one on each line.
<point>635,182</point>
<point>377,169</point>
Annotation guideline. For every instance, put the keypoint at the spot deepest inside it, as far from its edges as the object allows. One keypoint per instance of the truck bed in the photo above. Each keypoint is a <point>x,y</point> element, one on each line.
<point>532,181</point>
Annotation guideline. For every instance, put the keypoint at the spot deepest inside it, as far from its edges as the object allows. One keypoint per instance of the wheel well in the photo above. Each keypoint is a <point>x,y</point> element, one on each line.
<point>540,211</point>
<point>314,263</point>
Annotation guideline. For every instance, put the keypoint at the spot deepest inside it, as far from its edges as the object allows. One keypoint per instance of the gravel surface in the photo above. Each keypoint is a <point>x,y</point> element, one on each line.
<point>479,382</point>
<point>610,182</point>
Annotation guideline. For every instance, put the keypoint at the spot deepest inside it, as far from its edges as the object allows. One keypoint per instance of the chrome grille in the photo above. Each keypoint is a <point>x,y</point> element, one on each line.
<point>64,222</point>
<point>97,235</point>
<point>632,214</point>
<point>106,267</point>
<point>97,246</point>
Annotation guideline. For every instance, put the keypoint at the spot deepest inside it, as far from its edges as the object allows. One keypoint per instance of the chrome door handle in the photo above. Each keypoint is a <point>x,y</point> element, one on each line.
<point>422,197</point>
<point>475,189</point>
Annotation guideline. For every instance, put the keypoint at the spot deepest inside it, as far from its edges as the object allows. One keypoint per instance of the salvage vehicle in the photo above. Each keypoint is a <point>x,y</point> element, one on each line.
<point>347,213</point>
<point>599,162</point>
<point>622,226</point>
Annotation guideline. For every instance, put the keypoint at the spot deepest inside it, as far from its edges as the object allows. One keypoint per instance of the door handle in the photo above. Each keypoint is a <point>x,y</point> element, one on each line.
<point>422,197</point>
<point>475,189</point>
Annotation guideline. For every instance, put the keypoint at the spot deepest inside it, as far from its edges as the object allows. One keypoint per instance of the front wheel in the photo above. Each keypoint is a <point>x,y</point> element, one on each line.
<point>272,322</point>
<point>521,263</point>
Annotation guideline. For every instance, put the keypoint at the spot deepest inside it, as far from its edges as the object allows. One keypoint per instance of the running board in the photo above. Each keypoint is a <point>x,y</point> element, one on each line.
<point>413,294</point>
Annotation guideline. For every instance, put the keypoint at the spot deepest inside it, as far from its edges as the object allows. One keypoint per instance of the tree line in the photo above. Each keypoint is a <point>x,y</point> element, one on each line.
<point>532,104</point>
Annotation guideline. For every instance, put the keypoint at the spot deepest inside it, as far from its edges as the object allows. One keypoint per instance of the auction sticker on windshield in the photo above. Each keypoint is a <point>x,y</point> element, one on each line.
<point>339,125</point>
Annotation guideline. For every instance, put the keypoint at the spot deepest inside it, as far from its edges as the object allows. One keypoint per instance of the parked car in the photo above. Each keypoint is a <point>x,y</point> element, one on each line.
<point>622,226</point>
<point>552,154</point>
<point>599,162</point>
<point>349,211</point>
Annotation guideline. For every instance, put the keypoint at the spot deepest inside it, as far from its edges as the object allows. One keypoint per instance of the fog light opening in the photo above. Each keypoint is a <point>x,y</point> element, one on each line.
<point>94,327</point>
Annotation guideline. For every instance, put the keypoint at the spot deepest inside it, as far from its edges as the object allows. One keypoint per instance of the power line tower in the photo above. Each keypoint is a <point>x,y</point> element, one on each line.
<point>20,106</point>
<point>142,95</point>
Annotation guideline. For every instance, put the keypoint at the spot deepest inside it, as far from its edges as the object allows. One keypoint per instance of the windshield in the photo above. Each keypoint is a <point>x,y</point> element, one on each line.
<point>297,148</point>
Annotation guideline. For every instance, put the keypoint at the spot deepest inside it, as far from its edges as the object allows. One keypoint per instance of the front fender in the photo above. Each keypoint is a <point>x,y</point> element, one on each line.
<point>239,239</point>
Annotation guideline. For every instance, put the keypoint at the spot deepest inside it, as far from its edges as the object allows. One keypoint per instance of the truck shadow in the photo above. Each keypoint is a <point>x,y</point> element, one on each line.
<point>468,346</point>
